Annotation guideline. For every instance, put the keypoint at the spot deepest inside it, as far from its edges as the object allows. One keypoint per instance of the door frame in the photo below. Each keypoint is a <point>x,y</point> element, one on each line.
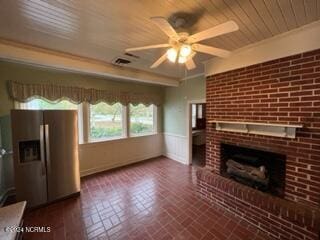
<point>189,128</point>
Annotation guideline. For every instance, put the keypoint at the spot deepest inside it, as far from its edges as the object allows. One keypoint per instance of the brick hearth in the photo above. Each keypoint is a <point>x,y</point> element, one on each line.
<point>279,217</point>
<point>285,91</point>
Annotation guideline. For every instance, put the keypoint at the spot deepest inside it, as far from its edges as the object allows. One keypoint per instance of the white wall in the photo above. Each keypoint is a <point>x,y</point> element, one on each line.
<point>175,104</point>
<point>304,39</point>
<point>101,156</point>
<point>175,120</point>
<point>175,147</point>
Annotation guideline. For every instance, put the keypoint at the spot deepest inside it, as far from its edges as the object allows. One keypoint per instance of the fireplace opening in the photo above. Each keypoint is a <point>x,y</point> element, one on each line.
<point>258,169</point>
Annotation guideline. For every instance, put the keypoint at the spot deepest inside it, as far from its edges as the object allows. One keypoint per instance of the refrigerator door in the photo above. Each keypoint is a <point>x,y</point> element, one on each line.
<point>61,137</point>
<point>29,156</point>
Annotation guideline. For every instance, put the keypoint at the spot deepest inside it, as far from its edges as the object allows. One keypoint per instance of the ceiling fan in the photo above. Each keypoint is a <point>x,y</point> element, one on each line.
<point>183,47</point>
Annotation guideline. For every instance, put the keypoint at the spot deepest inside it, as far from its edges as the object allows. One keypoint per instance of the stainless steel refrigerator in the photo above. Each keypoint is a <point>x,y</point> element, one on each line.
<point>45,153</point>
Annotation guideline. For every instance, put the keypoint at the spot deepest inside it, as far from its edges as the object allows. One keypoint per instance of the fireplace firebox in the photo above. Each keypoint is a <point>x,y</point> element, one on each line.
<point>258,169</point>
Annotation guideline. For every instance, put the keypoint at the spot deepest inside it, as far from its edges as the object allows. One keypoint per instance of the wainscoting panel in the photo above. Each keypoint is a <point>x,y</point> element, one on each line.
<point>175,147</point>
<point>101,156</point>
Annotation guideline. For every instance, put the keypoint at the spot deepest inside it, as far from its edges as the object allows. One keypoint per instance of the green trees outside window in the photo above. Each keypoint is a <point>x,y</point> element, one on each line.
<point>141,119</point>
<point>106,121</point>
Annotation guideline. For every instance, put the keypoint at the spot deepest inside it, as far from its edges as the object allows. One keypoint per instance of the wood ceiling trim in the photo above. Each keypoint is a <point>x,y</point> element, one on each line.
<point>303,39</point>
<point>43,57</point>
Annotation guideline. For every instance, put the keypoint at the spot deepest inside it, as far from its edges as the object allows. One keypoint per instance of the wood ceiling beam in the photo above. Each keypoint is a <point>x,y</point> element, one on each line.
<point>19,52</point>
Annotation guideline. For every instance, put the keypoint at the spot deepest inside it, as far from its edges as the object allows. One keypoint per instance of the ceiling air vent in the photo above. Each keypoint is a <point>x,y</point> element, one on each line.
<point>131,55</point>
<point>121,61</point>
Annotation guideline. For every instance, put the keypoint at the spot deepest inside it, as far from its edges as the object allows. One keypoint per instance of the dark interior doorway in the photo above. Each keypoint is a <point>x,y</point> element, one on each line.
<point>198,123</point>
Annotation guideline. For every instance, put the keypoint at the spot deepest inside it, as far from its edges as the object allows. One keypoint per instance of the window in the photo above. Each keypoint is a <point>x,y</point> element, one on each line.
<point>106,121</point>
<point>102,121</point>
<point>194,115</point>
<point>142,119</point>
<point>200,111</point>
<point>41,104</point>
<point>198,119</point>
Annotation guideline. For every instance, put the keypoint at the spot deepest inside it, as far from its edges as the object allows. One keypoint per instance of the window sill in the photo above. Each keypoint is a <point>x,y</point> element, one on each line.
<point>142,135</point>
<point>103,141</point>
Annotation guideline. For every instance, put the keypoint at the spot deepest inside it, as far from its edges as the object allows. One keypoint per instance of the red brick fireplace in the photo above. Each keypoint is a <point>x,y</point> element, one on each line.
<point>285,91</point>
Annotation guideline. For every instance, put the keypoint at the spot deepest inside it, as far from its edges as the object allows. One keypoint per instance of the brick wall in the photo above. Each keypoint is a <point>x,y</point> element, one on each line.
<point>285,90</point>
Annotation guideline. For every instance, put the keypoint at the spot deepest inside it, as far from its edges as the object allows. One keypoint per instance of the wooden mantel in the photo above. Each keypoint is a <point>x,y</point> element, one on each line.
<point>267,129</point>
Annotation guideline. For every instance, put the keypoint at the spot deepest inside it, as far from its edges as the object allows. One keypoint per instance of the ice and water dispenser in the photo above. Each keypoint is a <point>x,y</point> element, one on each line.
<point>29,151</point>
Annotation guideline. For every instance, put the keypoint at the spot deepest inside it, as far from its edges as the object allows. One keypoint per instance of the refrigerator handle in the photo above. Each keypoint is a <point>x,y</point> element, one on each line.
<point>46,130</point>
<point>42,151</point>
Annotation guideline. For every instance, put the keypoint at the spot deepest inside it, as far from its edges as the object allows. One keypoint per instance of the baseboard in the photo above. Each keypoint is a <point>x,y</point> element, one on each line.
<point>103,168</point>
<point>175,157</point>
<point>9,192</point>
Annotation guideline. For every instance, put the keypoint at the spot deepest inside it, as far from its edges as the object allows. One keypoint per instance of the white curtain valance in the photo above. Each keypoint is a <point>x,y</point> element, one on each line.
<point>25,92</point>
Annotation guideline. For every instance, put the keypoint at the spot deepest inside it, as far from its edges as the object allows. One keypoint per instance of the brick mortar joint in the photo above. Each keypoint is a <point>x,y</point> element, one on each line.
<point>262,227</point>
<point>210,178</point>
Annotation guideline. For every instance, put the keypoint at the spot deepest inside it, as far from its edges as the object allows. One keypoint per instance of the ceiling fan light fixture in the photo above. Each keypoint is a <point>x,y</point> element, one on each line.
<point>183,46</point>
<point>182,59</point>
<point>185,50</point>
<point>172,54</point>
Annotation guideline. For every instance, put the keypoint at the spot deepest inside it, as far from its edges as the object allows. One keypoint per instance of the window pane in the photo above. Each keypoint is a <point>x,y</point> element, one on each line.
<point>40,104</point>
<point>200,111</point>
<point>105,121</point>
<point>141,119</point>
<point>193,115</point>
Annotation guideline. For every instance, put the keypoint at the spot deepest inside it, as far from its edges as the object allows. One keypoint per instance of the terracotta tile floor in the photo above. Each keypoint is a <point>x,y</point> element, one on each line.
<point>155,199</point>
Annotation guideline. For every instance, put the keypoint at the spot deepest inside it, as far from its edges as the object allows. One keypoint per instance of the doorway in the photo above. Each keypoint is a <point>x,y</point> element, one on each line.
<point>197,134</point>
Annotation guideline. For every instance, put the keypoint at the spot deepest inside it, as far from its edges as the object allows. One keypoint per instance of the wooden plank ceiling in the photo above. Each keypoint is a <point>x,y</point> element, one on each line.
<point>102,29</point>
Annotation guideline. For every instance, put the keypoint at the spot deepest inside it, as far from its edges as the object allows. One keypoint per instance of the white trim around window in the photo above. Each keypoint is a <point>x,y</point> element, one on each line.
<point>125,125</point>
<point>84,123</point>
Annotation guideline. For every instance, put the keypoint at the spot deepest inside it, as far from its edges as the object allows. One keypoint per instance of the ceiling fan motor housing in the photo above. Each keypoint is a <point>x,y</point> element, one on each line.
<point>183,39</point>
<point>179,23</point>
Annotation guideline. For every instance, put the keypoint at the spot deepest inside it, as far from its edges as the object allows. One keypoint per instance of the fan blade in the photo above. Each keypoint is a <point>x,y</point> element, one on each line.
<point>223,28</point>
<point>165,26</point>
<point>148,47</point>
<point>159,61</point>
<point>190,64</point>
<point>210,50</point>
